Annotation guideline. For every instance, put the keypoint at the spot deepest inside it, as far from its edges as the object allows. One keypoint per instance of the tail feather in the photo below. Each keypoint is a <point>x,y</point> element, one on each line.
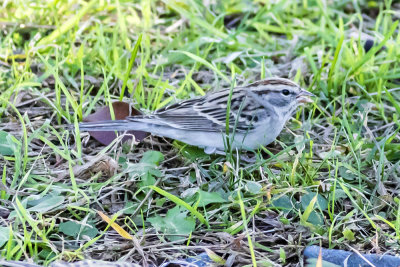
<point>110,125</point>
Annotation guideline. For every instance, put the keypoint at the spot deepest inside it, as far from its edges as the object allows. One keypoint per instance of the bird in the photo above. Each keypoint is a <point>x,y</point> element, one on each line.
<point>257,114</point>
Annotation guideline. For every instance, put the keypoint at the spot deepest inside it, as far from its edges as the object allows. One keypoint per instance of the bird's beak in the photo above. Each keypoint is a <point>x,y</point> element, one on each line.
<point>304,96</point>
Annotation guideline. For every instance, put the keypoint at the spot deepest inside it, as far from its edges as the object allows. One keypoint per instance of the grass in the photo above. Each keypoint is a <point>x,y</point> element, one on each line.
<point>331,177</point>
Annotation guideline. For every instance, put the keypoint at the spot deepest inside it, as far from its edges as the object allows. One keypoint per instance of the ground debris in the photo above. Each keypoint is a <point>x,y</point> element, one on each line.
<point>101,163</point>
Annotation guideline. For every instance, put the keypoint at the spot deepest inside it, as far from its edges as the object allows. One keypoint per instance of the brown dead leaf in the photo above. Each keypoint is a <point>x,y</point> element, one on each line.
<point>100,163</point>
<point>121,111</point>
<point>237,242</point>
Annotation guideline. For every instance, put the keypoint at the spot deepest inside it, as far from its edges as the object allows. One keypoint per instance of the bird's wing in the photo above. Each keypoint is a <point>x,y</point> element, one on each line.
<point>206,113</point>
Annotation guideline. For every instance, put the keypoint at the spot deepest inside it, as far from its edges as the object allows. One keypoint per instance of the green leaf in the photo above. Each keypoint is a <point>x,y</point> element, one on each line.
<point>175,223</point>
<point>75,229</point>
<point>348,234</point>
<point>315,218</point>
<point>181,203</point>
<point>253,187</point>
<point>46,254</point>
<point>346,173</point>
<point>340,194</point>
<point>147,167</point>
<point>148,179</point>
<point>70,228</point>
<point>141,169</point>
<point>321,201</point>
<point>282,255</point>
<point>209,197</point>
<point>4,235</point>
<point>152,157</point>
<point>307,212</point>
<point>192,153</point>
<point>46,203</point>
<point>8,144</point>
<point>130,207</point>
<point>283,202</point>
<point>89,231</point>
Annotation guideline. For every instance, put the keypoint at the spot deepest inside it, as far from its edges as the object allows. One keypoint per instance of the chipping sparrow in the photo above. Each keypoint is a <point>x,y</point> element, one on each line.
<point>257,115</point>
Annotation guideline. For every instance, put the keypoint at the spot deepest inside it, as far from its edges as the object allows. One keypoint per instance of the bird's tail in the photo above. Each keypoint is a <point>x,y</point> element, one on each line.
<point>111,125</point>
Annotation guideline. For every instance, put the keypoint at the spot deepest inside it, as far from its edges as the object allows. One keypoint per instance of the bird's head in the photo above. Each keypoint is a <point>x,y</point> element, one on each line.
<point>283,95</point>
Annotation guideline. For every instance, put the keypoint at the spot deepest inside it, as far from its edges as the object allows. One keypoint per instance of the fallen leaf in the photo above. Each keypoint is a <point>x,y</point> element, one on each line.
<point>121,111</point>
<point>319,261</point>
<point>94,164</point>
<point>237,242</point>
<point>214,257</point>
<point>115,226</point>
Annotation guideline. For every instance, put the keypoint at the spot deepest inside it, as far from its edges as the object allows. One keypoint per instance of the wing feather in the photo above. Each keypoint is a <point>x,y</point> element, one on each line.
<point>207,113</point>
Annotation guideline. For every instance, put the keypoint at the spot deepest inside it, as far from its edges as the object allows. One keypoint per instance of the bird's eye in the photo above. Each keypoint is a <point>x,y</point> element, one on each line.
<point>285,92</point>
